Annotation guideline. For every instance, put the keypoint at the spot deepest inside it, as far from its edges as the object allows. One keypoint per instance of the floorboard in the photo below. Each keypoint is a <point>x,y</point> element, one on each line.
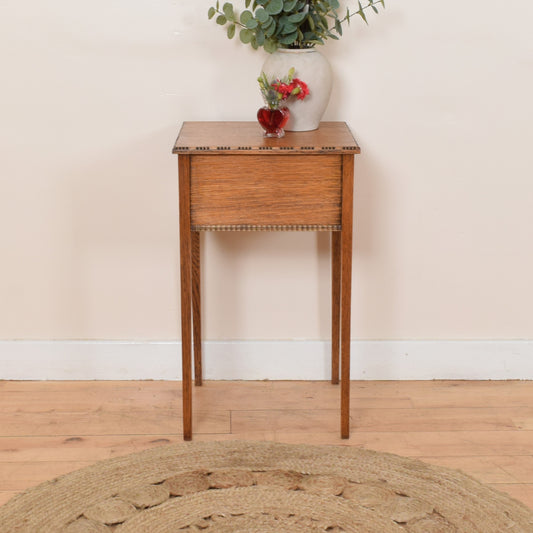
<point>484,428</point>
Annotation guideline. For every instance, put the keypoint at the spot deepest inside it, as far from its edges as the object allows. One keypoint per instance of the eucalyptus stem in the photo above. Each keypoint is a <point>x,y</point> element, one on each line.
<point>233,21</point>
<point>358,12</point>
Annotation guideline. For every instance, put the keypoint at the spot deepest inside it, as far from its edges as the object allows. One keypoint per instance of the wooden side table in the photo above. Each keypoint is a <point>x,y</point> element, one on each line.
<point>231,178</point>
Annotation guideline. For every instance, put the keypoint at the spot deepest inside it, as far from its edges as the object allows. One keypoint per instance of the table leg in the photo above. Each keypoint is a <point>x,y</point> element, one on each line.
<point>335,304</point>
<point>346,289</point>
<point>196,308</point>
<point>186,275</point>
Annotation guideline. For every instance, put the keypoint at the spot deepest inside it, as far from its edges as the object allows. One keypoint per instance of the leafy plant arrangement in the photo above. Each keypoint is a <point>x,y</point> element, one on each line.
<point>277,91</point>
<point>274,24</point>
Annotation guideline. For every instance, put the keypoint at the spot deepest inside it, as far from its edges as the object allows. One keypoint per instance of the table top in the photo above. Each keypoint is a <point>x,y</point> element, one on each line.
<point>242,137</point>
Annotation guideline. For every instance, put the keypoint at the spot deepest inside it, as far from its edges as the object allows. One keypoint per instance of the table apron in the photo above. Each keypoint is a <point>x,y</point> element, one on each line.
<point>262,191</point>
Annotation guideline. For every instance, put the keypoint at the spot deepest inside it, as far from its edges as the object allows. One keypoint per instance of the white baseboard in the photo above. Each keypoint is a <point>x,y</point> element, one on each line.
<point>251,360</point>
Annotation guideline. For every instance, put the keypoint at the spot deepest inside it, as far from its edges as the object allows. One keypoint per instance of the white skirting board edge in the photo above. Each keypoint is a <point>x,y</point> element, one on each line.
<point>256,360</point>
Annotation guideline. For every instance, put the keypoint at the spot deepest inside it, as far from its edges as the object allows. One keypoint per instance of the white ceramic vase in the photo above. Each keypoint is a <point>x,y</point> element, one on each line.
<point>312,68</point>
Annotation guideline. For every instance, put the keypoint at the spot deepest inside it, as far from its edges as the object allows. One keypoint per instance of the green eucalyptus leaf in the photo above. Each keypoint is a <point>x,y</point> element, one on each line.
<point>262,16</point>
<point>246,16</point>
<point>288,28</point>
<point>297,17</point>
<point>274,7</point>
<point>269,32</point>
<point>288,23</point>
<point>227,8</point>
<point>282,20</point>
<point>289,5</point>
<point>260,36</point>
<point>246,35</point>
<point>361,13</point>
<point>270,21</point>
<point>288,39</point>
<point>270,46</point>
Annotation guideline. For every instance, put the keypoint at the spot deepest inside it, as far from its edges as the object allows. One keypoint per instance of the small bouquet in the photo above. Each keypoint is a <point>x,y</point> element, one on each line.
<point>274,116</point>
<point>278,90</point>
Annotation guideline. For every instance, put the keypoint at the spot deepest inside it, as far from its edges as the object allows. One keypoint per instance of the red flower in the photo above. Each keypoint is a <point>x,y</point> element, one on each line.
<point>296,87</point>
<point>282,88</point>
<point>303,90</point>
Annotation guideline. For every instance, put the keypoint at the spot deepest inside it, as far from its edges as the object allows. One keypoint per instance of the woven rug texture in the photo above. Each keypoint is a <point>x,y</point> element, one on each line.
<point>263,487</point>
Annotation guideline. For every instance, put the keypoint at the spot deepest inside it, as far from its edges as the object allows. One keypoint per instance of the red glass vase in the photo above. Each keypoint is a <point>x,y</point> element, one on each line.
<point>273,121</point>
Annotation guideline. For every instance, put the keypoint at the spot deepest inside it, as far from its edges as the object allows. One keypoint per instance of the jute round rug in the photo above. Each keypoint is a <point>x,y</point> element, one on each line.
<point>263,487</point>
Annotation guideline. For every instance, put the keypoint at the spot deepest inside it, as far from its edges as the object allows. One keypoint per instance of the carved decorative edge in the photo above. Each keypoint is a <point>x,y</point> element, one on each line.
<point>317,149</point>
<point>266,227</point>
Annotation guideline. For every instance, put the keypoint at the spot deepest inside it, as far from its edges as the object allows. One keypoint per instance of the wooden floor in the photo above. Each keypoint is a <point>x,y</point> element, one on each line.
<point>482,428</point>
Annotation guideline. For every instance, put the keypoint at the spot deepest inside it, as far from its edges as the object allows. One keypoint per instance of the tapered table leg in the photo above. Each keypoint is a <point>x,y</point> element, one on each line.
<point>186,275</point>
<point>196,308</point>
<point>335,304</point>
<point>346,289</point>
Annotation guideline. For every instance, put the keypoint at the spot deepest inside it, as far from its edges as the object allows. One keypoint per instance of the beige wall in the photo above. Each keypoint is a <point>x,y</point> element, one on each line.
<point>93,93</point>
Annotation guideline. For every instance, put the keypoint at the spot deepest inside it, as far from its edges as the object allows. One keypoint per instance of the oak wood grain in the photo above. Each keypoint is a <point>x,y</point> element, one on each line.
<point>335,305</point>
<point>247,137</point>
<point>186,290</point>
<point>346,289</point>
<point>196,307</point>
<point>265,190</point>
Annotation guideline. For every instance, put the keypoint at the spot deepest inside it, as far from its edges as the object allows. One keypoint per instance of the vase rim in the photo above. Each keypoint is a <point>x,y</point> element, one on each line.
<point>295,50</point>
